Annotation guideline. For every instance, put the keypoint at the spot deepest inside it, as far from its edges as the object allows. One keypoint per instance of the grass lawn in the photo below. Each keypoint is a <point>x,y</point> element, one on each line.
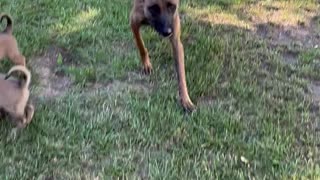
<point>252,69</point>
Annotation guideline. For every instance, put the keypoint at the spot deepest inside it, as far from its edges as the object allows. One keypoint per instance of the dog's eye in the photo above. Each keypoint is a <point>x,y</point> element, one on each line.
<point>154,10</point>
<point>171,7</point>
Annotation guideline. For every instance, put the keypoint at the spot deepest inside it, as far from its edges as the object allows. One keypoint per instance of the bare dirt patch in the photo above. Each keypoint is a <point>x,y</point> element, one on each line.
<point>284,24</point>
<point>314,88</point>
<point>51,84</point>
<point>288,35</point>
<point>290,57</point>
<point>288,27</point>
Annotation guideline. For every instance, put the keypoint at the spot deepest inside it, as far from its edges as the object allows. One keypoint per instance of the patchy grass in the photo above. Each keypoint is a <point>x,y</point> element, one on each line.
<point>257,116</point>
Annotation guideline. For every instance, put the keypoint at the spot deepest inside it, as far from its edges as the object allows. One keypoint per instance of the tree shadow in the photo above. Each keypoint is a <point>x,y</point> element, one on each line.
<point>229,45</point>
<point>223,4</point>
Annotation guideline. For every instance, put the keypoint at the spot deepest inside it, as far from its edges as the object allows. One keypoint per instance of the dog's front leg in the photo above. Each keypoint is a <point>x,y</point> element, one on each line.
<point>180,67</point>
<point>144,55</point>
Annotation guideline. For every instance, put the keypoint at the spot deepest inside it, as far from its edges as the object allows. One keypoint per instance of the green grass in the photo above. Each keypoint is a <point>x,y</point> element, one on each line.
<point>249,103</point>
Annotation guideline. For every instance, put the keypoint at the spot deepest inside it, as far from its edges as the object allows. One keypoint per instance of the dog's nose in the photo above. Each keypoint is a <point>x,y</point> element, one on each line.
<point>167,32</point>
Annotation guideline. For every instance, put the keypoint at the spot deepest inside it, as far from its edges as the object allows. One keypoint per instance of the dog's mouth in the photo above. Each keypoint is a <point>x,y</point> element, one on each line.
<point>165,32</point>
<point>162,29</point>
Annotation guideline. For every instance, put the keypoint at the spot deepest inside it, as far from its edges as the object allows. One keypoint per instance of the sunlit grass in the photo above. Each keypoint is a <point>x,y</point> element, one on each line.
<point>283,13</point>
<point>216,16</point>
<point>81,21</point>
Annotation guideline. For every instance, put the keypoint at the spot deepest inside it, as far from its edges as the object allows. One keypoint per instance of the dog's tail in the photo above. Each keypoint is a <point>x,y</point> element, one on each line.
<point>9,26</point>
<point>24,70</point>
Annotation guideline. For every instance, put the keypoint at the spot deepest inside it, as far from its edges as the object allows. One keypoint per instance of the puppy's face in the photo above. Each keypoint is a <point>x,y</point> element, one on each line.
<point>160,15</point>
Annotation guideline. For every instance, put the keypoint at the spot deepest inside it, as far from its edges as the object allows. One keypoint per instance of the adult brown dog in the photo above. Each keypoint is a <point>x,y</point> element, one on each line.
<point>14,97</point>
<point>163,16</point>
<point>8,43</point>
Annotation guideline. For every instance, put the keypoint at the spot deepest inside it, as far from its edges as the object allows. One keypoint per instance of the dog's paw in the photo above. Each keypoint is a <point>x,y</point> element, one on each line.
<point>147,69</point>
<point>187,105</point>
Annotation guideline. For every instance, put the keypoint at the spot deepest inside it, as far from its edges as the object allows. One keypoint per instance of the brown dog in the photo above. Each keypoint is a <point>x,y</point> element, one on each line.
<point>14,97</point>
<point>8,43</point>
<point>163,16</point>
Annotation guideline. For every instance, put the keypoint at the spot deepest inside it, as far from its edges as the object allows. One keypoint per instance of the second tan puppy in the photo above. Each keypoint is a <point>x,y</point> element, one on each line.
<point>163,16</point>
<point>8,43</point>
<point>14,97</point>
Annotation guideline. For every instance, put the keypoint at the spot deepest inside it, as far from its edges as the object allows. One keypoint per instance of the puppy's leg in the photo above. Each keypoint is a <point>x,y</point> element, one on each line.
<point>180,68</point>
<point>144,55</point>
<point>18,59</point>
<point>21,121</point>
<point>18,121</point>
<point>29,111</point>
<point>14,53</point>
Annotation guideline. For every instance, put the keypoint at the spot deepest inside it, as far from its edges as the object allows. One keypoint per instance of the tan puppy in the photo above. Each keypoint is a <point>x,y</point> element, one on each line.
<point>14,96</point>
<point>8,43</point>
<point>163,16</point>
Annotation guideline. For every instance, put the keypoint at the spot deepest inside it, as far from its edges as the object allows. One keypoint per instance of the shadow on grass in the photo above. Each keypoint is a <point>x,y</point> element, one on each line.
<point>224,4</point>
